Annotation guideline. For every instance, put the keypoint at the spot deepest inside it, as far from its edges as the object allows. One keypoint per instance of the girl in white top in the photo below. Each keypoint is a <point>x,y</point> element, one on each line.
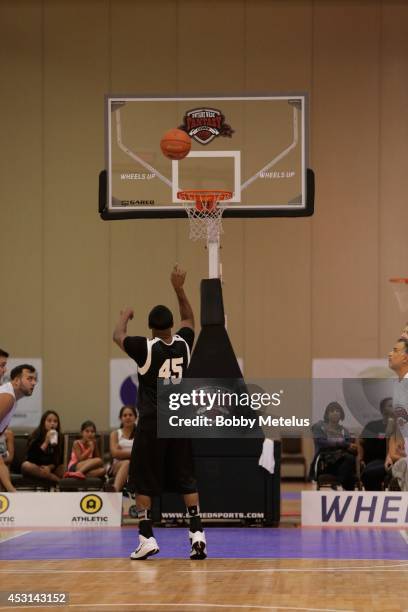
<point>121,442</point>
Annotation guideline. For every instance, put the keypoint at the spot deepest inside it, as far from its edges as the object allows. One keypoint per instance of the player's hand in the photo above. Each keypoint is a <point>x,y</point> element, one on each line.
<point>178,276</point>
<point>127,314</point>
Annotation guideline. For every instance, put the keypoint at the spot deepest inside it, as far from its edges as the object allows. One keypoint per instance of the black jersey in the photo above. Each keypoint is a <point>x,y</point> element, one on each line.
<point>157,359</point>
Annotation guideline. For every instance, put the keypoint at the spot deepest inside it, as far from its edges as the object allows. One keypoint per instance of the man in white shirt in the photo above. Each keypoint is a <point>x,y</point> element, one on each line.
<point>398,361</point>
<point>3,363</point>
<point>23,379</point>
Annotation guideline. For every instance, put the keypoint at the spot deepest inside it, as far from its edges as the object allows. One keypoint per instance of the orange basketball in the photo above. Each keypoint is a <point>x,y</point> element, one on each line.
<point>175,144</point>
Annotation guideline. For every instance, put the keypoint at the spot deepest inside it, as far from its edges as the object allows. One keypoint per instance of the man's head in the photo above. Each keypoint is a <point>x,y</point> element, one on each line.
<point>160,318</point>
<point>398,357</point>
<point>23,378</point>
<point>3,363</point>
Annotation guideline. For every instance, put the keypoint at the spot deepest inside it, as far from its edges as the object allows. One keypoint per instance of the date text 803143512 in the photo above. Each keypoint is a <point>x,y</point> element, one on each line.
<point>33,598</point>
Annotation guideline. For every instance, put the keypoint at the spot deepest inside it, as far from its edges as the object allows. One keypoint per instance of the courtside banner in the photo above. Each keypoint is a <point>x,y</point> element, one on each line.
<point>354,509</point>
<point>123,387</point>
<point>86,509</point>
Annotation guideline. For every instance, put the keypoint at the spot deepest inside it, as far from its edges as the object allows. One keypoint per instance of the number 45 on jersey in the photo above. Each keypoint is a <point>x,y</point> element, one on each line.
<point>172,369</point>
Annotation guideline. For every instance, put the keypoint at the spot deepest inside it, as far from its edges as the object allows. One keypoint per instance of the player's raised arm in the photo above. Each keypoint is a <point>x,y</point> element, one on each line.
<point>120,331</point>
<point>178,277</point>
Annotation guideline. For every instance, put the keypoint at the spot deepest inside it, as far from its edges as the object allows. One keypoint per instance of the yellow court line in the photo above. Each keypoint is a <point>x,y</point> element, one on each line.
<point>12,537</point>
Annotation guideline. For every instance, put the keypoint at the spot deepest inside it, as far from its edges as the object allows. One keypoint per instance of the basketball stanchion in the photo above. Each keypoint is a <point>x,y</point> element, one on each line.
<point>204,210</point>
<point>400,288</point>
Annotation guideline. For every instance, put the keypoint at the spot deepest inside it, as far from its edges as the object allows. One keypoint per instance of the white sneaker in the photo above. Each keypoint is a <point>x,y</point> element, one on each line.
<point>146,548</point>
<point>198,545</point>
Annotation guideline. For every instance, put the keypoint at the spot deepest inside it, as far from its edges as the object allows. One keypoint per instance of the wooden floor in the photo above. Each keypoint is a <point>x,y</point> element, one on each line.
<point>215,584</point>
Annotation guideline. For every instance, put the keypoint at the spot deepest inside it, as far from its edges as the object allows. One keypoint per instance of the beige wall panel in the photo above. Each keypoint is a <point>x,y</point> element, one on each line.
<point>144,47</point>
<point>277,251</point>
<point>278,46</point>
<point>141,257</point>
<point>393,174</point>
<point>277,327</point>
<point>75,240</point>
<point>21,178</point>
<point>211,47</point>
<point>345,124</point>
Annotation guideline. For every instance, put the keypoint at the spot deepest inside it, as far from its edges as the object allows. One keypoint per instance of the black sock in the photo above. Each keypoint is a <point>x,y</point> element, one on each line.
<point>145,524</point>
<point>146,528</point>
<point>193,513</point>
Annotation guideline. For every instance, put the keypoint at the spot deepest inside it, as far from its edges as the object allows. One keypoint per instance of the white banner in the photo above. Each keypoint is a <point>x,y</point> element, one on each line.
<point>29,409</point>
<point>85,509</point>
<point>361,399</point>
<point>123,387</point>
<point>354,508</point>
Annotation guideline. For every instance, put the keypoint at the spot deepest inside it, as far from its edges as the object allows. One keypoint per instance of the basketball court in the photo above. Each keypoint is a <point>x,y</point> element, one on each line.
<point>248,569</point>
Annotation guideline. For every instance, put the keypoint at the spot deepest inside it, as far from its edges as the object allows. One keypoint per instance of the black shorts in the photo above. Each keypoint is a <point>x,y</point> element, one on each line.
<point>160,464</point>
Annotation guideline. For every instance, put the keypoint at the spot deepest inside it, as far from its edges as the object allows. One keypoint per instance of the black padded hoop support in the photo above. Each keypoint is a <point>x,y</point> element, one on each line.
<point>213,355</point>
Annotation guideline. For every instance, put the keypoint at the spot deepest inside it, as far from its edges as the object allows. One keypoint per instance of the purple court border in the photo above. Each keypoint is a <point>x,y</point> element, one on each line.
<point>237,543</point>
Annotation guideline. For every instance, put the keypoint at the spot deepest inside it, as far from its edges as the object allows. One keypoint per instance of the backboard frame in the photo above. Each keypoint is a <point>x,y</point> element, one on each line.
<point>173,211</point>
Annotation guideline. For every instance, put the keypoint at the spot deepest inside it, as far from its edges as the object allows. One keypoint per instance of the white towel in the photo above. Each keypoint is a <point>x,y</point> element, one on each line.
<point>267,459</point>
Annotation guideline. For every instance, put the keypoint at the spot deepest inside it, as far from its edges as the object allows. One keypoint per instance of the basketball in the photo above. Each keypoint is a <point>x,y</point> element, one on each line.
<point>175,144</point>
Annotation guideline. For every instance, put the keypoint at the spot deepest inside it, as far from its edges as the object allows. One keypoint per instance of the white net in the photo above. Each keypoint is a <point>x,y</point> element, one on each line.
<point>205,224</point>
<point>205,210</point>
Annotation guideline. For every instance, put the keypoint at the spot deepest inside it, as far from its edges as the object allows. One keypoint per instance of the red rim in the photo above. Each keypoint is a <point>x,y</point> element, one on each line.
<point>205,199</point>
<point>399,280</point>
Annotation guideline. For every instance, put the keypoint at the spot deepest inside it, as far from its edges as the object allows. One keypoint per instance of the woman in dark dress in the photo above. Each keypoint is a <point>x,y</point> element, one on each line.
<point>45,449</point>
<point>335,450</point>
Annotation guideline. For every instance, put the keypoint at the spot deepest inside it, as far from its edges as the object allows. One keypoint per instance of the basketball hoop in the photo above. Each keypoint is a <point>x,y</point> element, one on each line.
<point>204,209</point>
<point>400,287</point>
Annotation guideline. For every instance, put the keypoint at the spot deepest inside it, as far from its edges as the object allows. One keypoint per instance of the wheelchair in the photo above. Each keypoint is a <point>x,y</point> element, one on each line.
<point>324,479</point>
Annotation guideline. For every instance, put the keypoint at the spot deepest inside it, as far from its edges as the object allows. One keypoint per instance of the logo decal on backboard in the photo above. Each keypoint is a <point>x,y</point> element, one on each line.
<point>205,124</point>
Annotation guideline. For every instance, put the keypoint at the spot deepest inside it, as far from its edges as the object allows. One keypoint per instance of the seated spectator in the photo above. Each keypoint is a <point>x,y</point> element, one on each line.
<point>396,461</point>
<point>335,451</point>
<point>6,459</point>
<point>121,442</point>
<point>85,458</point>
<point>45,449</point>
<point>373,448</point>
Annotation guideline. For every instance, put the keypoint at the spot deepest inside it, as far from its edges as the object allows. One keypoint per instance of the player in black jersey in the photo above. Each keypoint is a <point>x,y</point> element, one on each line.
<point>161,464</point>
